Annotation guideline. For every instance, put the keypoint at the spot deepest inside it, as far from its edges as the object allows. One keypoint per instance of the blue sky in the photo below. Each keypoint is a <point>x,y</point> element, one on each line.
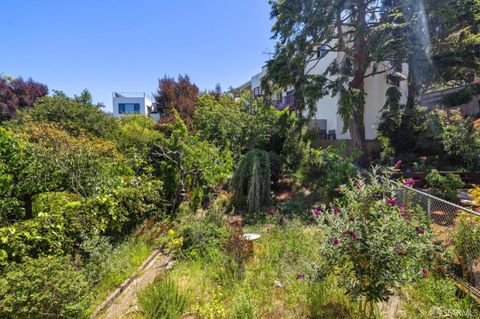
<point>126,45</point>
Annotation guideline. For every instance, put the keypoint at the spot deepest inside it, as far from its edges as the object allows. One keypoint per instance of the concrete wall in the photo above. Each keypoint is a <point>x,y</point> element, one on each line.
<point>435,100</point>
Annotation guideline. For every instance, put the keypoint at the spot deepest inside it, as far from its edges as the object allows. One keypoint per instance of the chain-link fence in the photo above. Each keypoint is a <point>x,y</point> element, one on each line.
<point>455,231</point>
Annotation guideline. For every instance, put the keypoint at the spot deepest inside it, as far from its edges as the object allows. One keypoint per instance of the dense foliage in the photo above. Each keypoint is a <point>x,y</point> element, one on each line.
<point>373,241</point>
<point>188,163</point>
<point>444,186</point>
<point>251,182</point>
<point>74,115</point>
<point>324,170</point>
<point>48,287</point>
<point>17,94</point>
<point>161,300</point>
<point>180,95</point>
<point>446,139</point>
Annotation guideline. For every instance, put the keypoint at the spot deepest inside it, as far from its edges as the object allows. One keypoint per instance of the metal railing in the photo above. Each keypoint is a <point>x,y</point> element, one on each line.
<point>455,231</point>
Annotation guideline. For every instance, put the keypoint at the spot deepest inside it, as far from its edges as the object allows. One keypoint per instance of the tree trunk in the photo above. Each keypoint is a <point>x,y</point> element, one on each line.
<point>28,206</point>
<point>357,134</point>
<point>412,92</point>
<point>357,125</point>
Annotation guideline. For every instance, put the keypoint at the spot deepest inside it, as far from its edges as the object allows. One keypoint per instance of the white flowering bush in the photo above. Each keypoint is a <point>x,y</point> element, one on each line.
<point>372,242</point>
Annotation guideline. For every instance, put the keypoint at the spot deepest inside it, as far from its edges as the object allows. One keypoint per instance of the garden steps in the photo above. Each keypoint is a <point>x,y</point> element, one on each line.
<point>123,300</point>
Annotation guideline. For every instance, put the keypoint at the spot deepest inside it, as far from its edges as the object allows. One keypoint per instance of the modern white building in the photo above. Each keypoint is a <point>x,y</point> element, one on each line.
<point>133,103</point>
<point>327,120</point>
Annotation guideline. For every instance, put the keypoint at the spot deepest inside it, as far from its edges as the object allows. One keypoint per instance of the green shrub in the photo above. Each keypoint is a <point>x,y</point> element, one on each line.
<point>199,238</point>
<point>461,141</point>
<point>434,297</point>
<point>43,235</point>
<point>326,169</point>
<point>185,162</point>
<point>467,237</point>
<point>161,300</point>
<point>295,208</point>
<point>373,244</point>
<point>457,98</point>
<point>74,116</point>
<point>243,307</point>
<point>251,181</point>
<point>95,252</point>
<point>444,186</point>
<point>218,208</point>
<point>43,288</point>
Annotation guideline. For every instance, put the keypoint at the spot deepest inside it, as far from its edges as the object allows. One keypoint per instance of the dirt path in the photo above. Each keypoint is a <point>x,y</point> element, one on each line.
<point>124,299</point>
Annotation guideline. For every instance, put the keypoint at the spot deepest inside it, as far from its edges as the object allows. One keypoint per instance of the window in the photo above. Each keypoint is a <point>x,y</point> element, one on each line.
<point>256,92</point>
<point>322,51</point>
<point>128,108</point>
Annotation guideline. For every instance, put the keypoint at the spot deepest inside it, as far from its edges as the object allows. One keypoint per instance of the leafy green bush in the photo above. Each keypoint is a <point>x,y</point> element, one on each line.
<point>326,169</point>
<point>295,208</point>
<point>461,141</point>
<point>185,162</point>
<point>457,98</point>
<point>434,297</point>
<point>373,243</point>
<point>161,300</point>
<point>199,238</point>
<point>467,237</point>
<point>40,288</point>
<point>95,251</point>
<point>251,181</point>
<point>444,186</point>
<point>218,208</point>
<point>43,235</point>
<point>74,116</point>
<point>243,307</point>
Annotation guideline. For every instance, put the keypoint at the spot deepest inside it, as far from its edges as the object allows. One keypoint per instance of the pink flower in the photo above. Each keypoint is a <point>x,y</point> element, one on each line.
<point>404,215</point>
<point>349,232</point>
<point>425,272</point>
<point>336,211</point>
<point>402,207</point>
<point>317,212</point>
<point>397,165</point>
<point>392,201</point>
<point>420,230</point>
<point>336,242</point>
<point>300,276</point>
<point>409,182</point>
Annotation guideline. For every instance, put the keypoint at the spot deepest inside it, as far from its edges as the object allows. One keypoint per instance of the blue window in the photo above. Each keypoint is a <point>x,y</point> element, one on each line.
<point>128,108</point>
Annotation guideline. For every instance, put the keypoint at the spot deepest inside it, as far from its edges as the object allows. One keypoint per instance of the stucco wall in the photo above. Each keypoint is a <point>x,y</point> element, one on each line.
<point>144,103</point>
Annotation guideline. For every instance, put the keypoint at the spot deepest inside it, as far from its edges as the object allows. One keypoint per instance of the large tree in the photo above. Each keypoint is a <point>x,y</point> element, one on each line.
<point>180,95</point>
<point>16,93</point>
<point>356,30</point>
<point>441,43</point>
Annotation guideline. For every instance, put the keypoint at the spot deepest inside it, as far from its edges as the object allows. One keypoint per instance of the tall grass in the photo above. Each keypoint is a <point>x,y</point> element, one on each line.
<point>122,262</point>
<point>161,300</point>
<point>268,285</point>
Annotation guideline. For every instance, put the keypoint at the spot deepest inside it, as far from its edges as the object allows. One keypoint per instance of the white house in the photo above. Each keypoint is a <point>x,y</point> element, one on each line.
<point>131,103</point>
<point>326,119</point>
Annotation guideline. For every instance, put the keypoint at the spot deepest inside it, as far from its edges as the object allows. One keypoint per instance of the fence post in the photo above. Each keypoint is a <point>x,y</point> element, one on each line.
<point>429,208</point>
